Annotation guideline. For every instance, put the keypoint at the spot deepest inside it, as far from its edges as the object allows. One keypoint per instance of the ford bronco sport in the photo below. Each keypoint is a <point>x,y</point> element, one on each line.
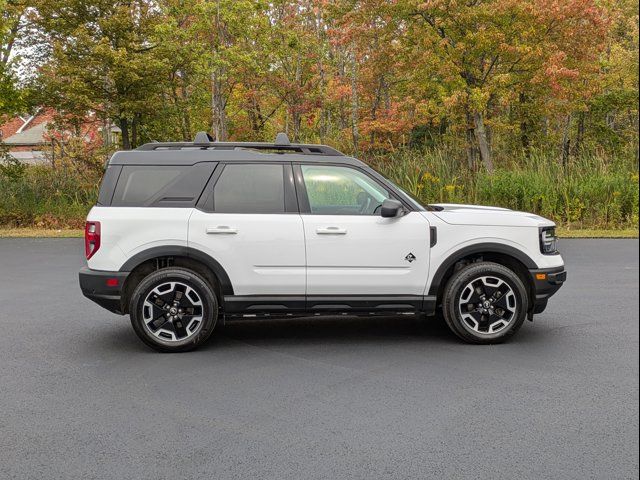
<point>185,235</point>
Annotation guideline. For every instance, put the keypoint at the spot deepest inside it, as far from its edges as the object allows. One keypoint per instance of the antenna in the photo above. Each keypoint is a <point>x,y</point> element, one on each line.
<point>282,140</point>
<point>203,137</point>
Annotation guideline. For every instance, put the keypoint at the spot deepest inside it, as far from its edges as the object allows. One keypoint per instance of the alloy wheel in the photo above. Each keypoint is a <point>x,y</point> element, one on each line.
<point>487,305</point>
<point>172,311</point>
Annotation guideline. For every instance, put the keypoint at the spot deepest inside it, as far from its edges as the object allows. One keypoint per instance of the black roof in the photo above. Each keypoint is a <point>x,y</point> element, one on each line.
<point>204,149</point>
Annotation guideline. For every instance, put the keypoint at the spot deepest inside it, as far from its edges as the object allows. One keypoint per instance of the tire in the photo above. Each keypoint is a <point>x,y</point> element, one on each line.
<point>469,316</point>
<point>173,310</point>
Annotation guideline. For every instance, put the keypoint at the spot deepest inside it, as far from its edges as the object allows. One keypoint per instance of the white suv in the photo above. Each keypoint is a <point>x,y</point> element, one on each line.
<point>188,234</point>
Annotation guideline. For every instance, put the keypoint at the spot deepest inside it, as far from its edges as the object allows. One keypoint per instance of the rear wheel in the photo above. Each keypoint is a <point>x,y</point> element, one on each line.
<point>485,302</point>
<point>173,310</point>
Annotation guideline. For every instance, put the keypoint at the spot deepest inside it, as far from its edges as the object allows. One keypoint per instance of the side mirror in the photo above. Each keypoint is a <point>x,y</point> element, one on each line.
<point>390,208</point>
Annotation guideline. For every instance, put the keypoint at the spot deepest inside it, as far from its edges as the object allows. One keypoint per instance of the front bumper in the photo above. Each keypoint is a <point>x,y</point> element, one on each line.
<point>546,282</point>
<point>104,288</point>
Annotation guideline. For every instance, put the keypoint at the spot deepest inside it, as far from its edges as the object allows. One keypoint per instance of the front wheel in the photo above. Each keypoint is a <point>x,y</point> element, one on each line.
<point>485,302</point>
<point>173,310</point>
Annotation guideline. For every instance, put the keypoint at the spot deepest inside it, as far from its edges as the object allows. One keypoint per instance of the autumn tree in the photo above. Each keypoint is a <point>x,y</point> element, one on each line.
<point>486,76</point>
<point>106,57</point>
<point>12,27</point>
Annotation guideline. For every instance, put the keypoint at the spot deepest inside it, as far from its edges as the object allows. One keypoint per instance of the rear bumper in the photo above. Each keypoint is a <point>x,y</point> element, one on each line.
<point>546,282</point>
<point>102,287</point>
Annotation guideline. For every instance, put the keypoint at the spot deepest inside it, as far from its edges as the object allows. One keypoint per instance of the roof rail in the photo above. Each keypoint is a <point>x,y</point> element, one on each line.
<point>204,141</point>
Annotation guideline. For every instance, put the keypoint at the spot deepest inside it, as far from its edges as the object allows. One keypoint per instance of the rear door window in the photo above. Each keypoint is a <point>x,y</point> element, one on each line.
<point>250,188</point>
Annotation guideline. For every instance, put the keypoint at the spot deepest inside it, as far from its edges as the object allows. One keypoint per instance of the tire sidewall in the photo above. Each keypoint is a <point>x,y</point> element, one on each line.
<point>461,279</point>
<point>202,288</point>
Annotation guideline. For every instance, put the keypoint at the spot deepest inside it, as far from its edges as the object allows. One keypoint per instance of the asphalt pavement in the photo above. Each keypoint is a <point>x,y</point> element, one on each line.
<point>355,398</point>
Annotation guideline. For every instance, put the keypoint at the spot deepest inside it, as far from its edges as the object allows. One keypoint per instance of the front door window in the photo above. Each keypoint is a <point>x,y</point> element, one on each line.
<point>336,190</point>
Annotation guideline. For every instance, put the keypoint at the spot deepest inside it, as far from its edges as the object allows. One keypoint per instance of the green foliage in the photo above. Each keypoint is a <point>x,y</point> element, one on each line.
<point>45,197</point>
<point>543,91</point>
<point>589,193</point>
<point>10,167</point>
<point>54,195</point>
<point>488,76</point>
<point>11,27</point>
<point>106,56</point>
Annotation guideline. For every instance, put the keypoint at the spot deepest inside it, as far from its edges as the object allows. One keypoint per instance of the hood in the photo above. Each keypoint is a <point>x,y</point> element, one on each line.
<point>458,214</point>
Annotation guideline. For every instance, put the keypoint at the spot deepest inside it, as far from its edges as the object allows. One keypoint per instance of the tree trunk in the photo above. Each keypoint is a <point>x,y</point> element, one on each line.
<point>106,132</point>
<point>525,126</point>
<point>218,102</point>
<point>354,101</point>
<point>183,107</point>
<point>134,130</point>
<point>471,147</point>
<point>296,116</point>
<point>483,142</point>
<point>579,134</point>
<point>218,107</point>
<point>566,141</point>
<point>324,120</point>
<point>123,123</point>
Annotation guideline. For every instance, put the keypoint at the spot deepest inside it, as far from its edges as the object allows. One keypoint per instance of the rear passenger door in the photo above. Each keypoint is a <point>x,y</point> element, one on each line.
<point>247,219</point>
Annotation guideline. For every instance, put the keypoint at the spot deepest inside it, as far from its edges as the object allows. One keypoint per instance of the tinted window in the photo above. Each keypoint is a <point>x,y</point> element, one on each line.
<point>342,191</point>
<point>250,189</point>
<point>108,184</point>
<point>161,186</point>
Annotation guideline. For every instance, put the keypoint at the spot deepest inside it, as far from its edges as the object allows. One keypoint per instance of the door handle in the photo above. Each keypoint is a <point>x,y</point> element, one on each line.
<point>223,229</point>
<point>331,231</point>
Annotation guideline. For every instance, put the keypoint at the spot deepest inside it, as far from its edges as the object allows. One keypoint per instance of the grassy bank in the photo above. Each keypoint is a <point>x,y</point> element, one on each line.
<point>27,232</point>
<point>590,193</point>
<point>593,233</point>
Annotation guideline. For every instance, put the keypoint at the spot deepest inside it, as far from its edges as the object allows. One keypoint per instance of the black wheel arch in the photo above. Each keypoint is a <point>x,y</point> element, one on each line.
<point>147,261</point>
<point>505,255</point>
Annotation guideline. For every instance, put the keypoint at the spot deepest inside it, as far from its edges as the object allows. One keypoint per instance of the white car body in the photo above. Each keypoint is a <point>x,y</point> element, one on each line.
<point>310,232</point>
<point>285,255</point>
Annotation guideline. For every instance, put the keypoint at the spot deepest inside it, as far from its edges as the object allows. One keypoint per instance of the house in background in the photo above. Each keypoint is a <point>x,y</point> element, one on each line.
<point>26,136</point>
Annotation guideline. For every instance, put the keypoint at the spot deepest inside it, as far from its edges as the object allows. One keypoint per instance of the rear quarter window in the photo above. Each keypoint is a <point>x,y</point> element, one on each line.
<point>109,180</point>
<point>161,186</point>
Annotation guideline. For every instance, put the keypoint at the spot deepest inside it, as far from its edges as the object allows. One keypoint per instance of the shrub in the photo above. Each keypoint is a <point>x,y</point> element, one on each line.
<point>590,192</point>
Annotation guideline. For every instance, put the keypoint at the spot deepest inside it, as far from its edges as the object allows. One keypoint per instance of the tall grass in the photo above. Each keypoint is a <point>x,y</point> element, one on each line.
<point>591,191</point>
<point>43,197</point>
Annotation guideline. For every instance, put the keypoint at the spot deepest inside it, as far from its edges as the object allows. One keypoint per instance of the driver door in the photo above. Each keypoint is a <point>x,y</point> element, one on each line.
<point>352,250</point>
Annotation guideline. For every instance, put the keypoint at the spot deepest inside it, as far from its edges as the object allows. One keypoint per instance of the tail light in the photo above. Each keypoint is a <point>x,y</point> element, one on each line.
<point>91,238</point>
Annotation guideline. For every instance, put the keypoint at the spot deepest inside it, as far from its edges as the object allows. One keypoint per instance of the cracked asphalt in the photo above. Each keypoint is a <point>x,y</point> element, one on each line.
<point>333,398</point>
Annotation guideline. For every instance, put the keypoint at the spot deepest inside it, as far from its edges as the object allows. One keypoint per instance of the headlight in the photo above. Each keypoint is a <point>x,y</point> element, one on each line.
<point>548,241</point>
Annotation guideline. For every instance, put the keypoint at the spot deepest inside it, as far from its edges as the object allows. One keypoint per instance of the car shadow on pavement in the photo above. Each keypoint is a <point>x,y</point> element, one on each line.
<point>334,330</point>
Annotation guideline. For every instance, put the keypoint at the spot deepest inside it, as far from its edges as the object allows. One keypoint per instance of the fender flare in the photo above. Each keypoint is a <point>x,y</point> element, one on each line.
<point>181,251</point>
<point>473,249</point>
